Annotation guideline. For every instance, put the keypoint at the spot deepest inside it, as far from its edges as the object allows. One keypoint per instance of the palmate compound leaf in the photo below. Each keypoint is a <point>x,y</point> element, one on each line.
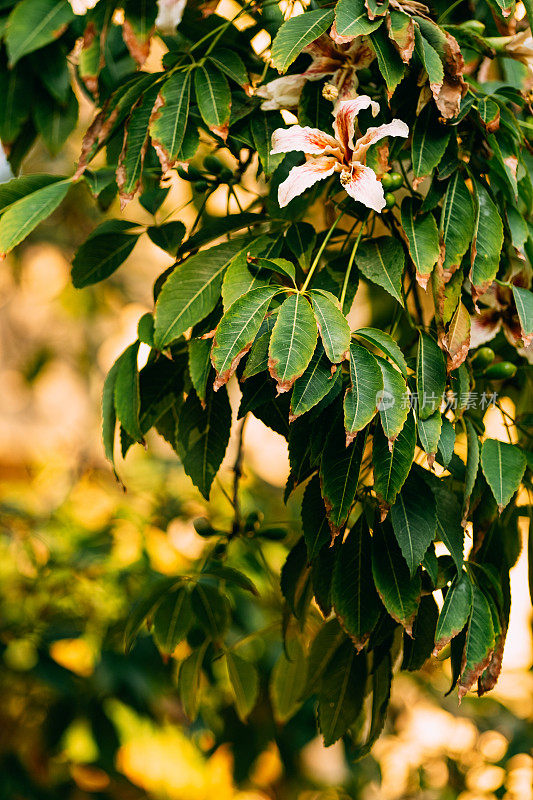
<point>237,330</point>
<point>361,400</point>
<point>339,474</point>
<point>203,436</point>
<point>381,260</point>
<point>341,692</point>
<point>423,238</point>
<point>479,642</point>
<point>399,592</point>
<point>414,519</point>
<point>354,595</point>
<point>391,467</point>
<point>292,342</point>
<point>455,611</point>
<point>430,376</point>
<point>393,402</point>
<point>244,680</point>
<point>503,466</point>
<point>316,382</point>
<point>332,325</point>
<point>288,678</point>
<point>296,33</point>
<point>191,292</point>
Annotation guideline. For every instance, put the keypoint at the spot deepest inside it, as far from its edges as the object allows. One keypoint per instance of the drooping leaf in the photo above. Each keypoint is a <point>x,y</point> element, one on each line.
<point>191,292</point>
<point>479,642</point>
<point>381,687</point>
<point>429,431</point>
<point>230,63</point>
<point>430,376</point>
<point>524,305</point>
<point>457,224</point>
<point>109,415</point>
<point>323,647</point>
<point>361,400</point>
<point>472,465</point>
<point>384,342</point>
<point>127,395</point>
<point>238,279</point>
<point>391,467</point>
<point>316,382</point>
<point>55,122</point>
<point>203,436</point>
<point>455,610</point>
<point>211,608</point>
<point>295,582</point>
<point>446,441</point>
<point>353,593</point>
<point>25,214</point>
<point>449,527</point>
<point>503,466</point>
<point>332,325</point>
<point>244,681</point>
<point>487,241</point>
<point>168,124</point>
<point>315,524</point>
<point>401,32</point>
<point>381,260</point>
<point>213,95</point>
<point>263,124</point>
<point>414,520</point>
<point>417,650</point>
<point>33,24</point>
<point>423,237</point>
<point>200,365</point>
<point>100,256</point>
<point>394,402</point>
<point>339,473</point>
<point>430,139</point>
<point>390,63</point>
<point>399,592</point>
<point>457,340</point>
<point>231,575</point>
<point>292,342</point>
<point>144,606</point>
<point>189,681</point>
<point>237,331</point>
<point>131,160</point>
<point>341,692</point>
<point>296,33</point>
<point>173,619</point>
<point>429,57</point>
<point>288,677</point>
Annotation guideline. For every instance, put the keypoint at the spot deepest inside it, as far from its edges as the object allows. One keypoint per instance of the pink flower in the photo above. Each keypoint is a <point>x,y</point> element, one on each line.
<point>329,154</point>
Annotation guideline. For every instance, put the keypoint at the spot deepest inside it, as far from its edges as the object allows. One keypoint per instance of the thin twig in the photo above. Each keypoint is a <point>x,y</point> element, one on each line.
<point>237,474</point>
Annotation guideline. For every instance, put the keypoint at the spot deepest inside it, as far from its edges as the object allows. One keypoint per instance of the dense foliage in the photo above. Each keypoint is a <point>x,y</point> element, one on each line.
<point>412,149</point>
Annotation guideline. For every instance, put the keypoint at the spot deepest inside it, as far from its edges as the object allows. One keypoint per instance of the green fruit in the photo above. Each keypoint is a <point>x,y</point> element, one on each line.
<point>213,165</point>
<point>203,527</point>
<point>200,186</point>
<point>226,175</point>
<point>500,371</point>
<point>390,200</point>
<point>386,182</point>
<point>397,180</point>
<point>189,174</point>
<point>482,358</point>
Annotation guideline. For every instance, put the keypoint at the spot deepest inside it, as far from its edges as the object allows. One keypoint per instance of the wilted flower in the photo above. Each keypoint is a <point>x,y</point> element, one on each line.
<point>169,15</point>
<point>331,55</point>
<point>500,314</point>
<point>327,154</point>
<point>81,7</point>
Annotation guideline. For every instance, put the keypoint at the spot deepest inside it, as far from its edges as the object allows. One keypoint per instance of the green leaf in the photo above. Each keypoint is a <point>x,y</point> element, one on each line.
<point>394,402</point>
<point>213,95</point>
<point>131,159</point>
<point>203,436</point>
<point>144,605</point>
<point>361,400</point>
<point>263,125</point>
<point>323,647</point>
<point>381,260</point>
<point>414,519</point>
<point>169,122</point>
<point>109,416</point>
<point>301,240</point>
<point>430,139</point>
<point>429,58</point>
<point>429,431</point>
<point>381,687</point>
<point>231,64</point>
<point>25,214</point>
<point>296,33</point>
<point>212,609</point>
<point>230,575</point>
<point>352,18</point>
<point>316,382</point>
<point>34,23</point>
<point>189,681</point>
<point>55,122</point>
<point>446,441</point>
<point>17,100</point>
<point>288,677</point>
<point>423,239</point>
<point>390,63</point>
<point>384,342</point>
<point>237,330</point>
<point>479,642</point>
<point>472,464</point>
<point>354,596</point>
<point>455,610</point>
<point>127,396</point>
<point>293,341</point>
<point>314,519</point>
<point>244,681</point>
<point>238,278</point>
<point>191,292</point>
<point>278,266</point>
<point>341,694</point>
<point>257,360</point>
<point>167,236</point>
<point>339,474</point>
<point>457,221</point>
<point>391,467</point>
<point>449,527</point>
<point>100,256</point>
<point>200,365</point>
<point>523,299</point>
<point>503,466</point>
<point>332,324</point>
<point>487,241</point>
<point>430,376</point>
<point>417,650</point>
<point>295,580</point>
<point>20,187</point>
<point>173,619</point>
<point>399,592</point>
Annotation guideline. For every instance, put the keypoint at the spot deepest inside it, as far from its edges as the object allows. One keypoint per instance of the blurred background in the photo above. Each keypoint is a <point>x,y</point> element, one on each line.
<point>78,718</point>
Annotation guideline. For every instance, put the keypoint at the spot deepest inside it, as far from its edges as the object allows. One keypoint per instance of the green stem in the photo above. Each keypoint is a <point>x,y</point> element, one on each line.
<point>319,254</point>
<point>350,263</point>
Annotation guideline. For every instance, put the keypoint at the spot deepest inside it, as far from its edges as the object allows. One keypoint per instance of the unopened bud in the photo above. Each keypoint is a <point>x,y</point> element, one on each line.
<point>330,92</point>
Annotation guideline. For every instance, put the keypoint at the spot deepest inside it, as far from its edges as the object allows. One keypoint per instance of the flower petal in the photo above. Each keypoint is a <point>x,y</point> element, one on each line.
<point>281,93</point>
<point>307,140</point>
<point>485,326</point>
<point>373,135</point>
<point>305,176</point>
<point>345,113</point>
<point>363,185</point>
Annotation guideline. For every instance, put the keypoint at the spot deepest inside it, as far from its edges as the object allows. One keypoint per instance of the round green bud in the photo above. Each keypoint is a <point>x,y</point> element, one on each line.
<point>390,200</point>
<point>213,165</point>
<point>482,358</point>
<point>200,186</point>
<point>226,175</point>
